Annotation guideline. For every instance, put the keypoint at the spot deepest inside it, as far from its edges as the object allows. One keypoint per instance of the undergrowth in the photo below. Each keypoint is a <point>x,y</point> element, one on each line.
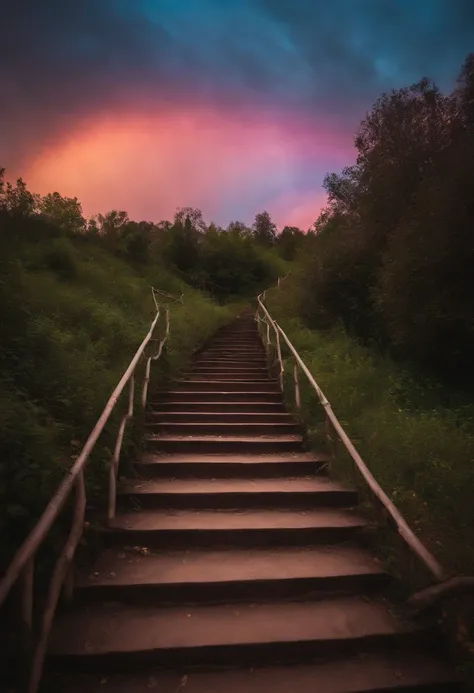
<point>420,450</point>
<point>72,316</point>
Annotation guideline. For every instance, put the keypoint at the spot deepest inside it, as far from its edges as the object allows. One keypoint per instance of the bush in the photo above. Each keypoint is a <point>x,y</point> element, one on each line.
<point>61,259</point>
<point>420,450</point>
<point>64,346</point>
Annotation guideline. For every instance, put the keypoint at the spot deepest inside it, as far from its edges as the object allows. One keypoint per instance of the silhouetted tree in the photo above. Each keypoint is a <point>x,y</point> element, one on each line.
<point>264,230</point>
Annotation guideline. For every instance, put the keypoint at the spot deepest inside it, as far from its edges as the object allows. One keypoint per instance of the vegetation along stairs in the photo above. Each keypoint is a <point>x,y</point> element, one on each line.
<point>235,563</point>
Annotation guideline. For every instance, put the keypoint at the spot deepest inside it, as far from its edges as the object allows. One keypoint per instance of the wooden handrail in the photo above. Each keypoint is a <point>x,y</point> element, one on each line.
<point>21,567</point>
<point>416,546</point>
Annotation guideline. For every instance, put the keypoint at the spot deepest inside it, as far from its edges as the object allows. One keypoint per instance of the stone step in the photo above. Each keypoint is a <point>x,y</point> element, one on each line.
<point>257,492</point>
<point>389,672</point>
<point>235,348</point>
<point>259,362</point>
<point>248,527</point>
<point>140,575</point>
<point>223,428</point>
<point>225,385</point>
<point>205,407</point>
<point>226,374</point>
<point>124,637</point>
<point>224,444</point>
<point>242,396</point>
<point>220,416</point>
<point>230,466</point>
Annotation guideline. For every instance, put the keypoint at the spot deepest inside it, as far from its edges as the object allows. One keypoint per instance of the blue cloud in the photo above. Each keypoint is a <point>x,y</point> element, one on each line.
<point>64,61</point>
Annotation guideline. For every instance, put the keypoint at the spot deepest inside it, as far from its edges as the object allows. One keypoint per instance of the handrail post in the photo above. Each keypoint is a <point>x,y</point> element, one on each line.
<point>280,359</point>
<point>114,465</point>
<point>60,569</point>
<point>297,385</point>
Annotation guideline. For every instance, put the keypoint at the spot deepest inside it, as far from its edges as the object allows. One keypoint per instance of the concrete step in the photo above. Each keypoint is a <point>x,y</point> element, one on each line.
<point>124,637</point>
<point>258,371</point>
<point>199,373</point>
<point>229,362</point>
<point>250,527</point>
<point>220,416</point>
<point>254,408</point>
<point>223,428</point>
<point>230,466</point>
<point>234,351</point>
<point>224,444</point>
<point>242,396</point>
<point>390,672</point>
<point>237,366</point>
<point>233,548</point>
<point>237,340</point>
<point>263,385</point>
<point>140,575</point>
<point>286,492</point>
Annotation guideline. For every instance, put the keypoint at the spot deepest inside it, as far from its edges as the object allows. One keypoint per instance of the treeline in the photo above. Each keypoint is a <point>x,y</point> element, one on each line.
<point>393,254</point>
<point>237,261</point>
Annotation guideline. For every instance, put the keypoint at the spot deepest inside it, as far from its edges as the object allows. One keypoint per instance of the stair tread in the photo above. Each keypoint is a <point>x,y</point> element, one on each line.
<point>205,402</point>
<point>233,554</point>
<point>199,520</point>
<point>362,674</point>
<point>138,566</point>
<point>115,627</point>
<point>214,392</point>
<point>287,485</point>
<point>284,416</point>
<point>264,380</point>
<point>232,458</point>
<point>226,438</point>
<point>226,424</point>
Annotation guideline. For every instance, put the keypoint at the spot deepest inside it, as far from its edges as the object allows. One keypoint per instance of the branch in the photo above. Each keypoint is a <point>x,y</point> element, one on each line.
<point>430,595</point>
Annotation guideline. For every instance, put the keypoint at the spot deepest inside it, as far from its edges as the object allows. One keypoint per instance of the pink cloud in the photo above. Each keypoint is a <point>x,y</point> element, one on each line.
<point>153,162</point>
<point>299,209</point>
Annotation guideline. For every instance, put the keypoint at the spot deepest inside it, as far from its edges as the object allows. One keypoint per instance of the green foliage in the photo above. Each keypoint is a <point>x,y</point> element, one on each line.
<point>264,230</point>
<point>73,313</point>
<point>289,241</point>
<point>65,212</point>
<point>418,444</point>
<point>393,253</point>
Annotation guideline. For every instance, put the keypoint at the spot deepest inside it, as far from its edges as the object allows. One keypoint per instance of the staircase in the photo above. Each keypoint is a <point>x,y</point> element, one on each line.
<point>234,564</point>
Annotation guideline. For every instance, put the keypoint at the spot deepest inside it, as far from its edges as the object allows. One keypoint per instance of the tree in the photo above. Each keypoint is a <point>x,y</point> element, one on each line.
<point>196,220</point>
<point>264,230</point>
<point>112,224</point>
<point>17,200</point>
<point>238,228</point>
<point>289,241</point>
<point>92,226</point>
<point>66,212</point>
<point>464,93</point>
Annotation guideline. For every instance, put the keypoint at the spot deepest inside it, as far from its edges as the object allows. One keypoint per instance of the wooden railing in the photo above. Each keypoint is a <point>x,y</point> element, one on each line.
<point>271,326</point>
<point>444,586</point>
<point>22,567</point>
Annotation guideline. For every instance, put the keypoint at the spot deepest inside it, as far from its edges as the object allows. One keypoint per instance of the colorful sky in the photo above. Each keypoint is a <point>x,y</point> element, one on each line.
<point>232,106</point>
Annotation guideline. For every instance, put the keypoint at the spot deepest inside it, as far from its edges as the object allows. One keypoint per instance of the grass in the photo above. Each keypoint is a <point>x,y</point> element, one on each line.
<point>420,451</point>
<point>73,315</point>
<point>418,442</point>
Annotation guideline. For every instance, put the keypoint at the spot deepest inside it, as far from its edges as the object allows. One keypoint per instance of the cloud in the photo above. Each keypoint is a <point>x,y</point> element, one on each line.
<point>311,67</point>
<point>214,160</point>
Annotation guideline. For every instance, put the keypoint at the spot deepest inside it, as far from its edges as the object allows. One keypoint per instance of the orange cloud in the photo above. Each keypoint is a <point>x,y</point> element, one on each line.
<point>149,164</point>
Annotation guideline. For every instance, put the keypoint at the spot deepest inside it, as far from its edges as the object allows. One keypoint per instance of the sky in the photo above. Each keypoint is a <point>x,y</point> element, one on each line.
<point>231,106</point>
